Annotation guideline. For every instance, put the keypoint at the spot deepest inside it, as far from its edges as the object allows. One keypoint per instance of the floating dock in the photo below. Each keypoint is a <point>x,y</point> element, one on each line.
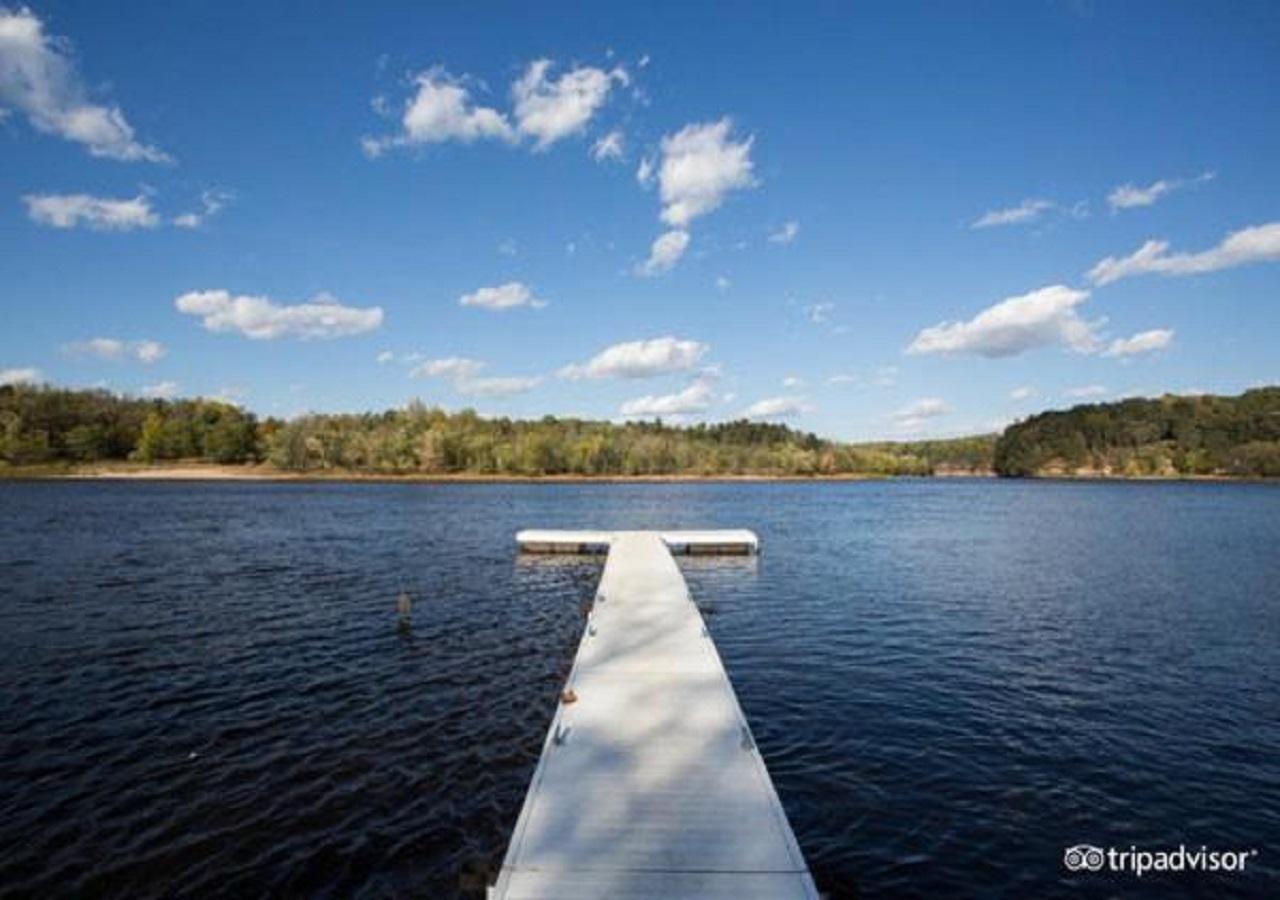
<point>650,784</point>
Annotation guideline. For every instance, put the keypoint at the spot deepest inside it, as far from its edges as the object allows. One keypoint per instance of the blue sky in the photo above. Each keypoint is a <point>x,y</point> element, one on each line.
<point>872,221</point>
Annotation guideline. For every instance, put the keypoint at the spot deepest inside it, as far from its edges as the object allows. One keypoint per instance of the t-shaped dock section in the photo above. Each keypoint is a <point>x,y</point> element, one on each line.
<point>650,784</point>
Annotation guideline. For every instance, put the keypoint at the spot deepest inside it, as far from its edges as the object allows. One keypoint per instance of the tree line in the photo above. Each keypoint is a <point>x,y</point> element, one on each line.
<point>52,426</point>
<point>1167,436</point>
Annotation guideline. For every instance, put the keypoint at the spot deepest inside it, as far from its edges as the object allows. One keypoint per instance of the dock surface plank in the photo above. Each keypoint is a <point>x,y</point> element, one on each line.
<point>650,784</point>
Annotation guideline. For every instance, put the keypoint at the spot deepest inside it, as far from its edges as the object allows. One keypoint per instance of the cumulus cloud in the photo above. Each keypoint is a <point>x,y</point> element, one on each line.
<point>114,349</point>
<point>442,110</point>
<point>1027,211</point>
<point>464,375</point>
<point>211,203</point>
<point>666,251</point>
<point>793,381</point>
<point>1143,342</point>
<point>1088,390</point>
<point>1259,243</point>
<point>548,109</point>
<point>786,234</point>
<point>696,398</point>
<point>97,213</point>
<point>260,318</point>
<point>640,359</point>
<point>1022,393</point>
<point>776,408</point>
<point>164,390</point>
<point>1128,196</point>
<point>38,77</point>
<point>700,165</point>
<point>385,357</point>
<point>19,376</point>
<point>1041,318</point>
<point>504,296</point>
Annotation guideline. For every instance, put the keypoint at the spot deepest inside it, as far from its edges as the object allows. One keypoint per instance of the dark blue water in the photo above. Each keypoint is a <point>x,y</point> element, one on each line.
<point>203,691</point>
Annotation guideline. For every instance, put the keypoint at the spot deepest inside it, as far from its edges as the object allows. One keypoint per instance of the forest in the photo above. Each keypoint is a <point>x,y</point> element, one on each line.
<point>47,426</point>
<point>1168,436</point>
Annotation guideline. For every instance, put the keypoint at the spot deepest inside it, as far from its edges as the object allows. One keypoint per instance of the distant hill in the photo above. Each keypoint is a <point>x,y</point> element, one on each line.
<point>1169,436</point>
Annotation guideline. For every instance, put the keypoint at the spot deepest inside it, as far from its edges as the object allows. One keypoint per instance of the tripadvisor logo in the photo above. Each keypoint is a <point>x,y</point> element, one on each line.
<point>1088,858</point>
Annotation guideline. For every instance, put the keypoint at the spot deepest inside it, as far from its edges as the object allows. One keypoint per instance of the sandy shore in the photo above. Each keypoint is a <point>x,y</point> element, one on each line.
<point>213,472</point>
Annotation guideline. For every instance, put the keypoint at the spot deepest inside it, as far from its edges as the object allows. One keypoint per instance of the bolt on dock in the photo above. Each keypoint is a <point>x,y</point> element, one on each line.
<point>650,783</point>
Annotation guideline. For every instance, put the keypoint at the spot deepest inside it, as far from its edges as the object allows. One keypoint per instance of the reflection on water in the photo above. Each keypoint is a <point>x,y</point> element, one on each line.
<point>209,691</point>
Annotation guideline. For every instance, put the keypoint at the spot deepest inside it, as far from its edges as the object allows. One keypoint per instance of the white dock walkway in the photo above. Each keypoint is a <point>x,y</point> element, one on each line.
<point>650,784</point>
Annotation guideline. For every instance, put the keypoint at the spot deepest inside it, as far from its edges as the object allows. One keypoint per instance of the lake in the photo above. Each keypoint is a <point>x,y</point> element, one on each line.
<point>205,691</point>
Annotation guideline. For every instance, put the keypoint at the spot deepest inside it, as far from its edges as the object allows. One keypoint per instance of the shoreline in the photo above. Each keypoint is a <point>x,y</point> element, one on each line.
<point>215,472</point>
<point>257,473</point>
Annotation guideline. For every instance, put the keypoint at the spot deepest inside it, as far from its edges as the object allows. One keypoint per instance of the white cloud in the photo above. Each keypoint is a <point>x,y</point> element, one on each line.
<point>260,318</point>
<point>776,408</point>
<point>38,76</point>
<point>843,378</point>
<point>1028,210</point>
<point>666,251</point>
<point>101,348</point>
<point>550,109</point>
<point>640,359</point>
<point>793,381</point>
<point>440,111</point>
<point>914,416</point>
<point>164,390</point>
<point>786,234</point>
<point>450,367</point>
<point>18,376</point>
<point>464,375</point>
<point>645,172</point>
<point>696,398</point>
<point>1088,390</point>
<point>1259,243</point>
<point>97,213</point>
<point>819,313</point>
<point>925,408</point>
<point>701,164</point>
<point>608,147</point>
<point>504,296</point>
<point>496,386</point>
<point>1041,318</point>
<point>385,357</point>
<point>1022,393</point>
<point>1143,342</point>
<point>1128,196</point>
<point>149,351</point>
<point>113,349</point>
<point>211,203</point>
<point>723,283</point>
